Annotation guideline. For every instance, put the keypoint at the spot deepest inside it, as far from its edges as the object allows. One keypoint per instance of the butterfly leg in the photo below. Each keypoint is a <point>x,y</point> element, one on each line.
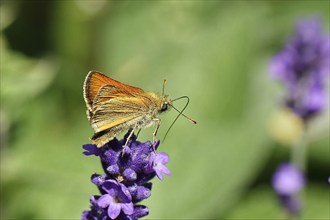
<point>156,130</point>
<point>155,133</point>
<point>129,136</point>
<point>138,132</point>
<point>127,139</point>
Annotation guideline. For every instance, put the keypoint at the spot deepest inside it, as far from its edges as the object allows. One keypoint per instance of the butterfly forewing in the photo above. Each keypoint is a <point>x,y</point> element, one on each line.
<point>95,81</point>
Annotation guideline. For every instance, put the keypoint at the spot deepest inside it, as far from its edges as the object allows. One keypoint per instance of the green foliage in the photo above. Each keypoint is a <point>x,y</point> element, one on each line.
<point>261,204</point>
<point>216,52</point>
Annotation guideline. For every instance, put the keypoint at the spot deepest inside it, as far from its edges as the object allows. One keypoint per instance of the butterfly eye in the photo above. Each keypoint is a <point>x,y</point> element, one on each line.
<point>164,107</point>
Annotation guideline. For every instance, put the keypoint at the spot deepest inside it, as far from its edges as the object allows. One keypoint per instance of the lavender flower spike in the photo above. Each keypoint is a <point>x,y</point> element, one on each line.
<point>303,66</point>
<point>126,180</point>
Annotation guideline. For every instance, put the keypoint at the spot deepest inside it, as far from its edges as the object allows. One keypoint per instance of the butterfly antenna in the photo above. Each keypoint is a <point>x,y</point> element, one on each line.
<point>164,83</point>
<point>180,113</point>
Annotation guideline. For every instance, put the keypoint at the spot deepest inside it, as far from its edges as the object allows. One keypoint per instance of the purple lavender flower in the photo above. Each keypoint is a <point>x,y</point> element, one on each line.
<point>126,181</point>
<point>91,149</point>
<point>96,212</point>
<point>116,199</point>
<point>287,181</point>
<point>158,164</point>
<point>303,66</point>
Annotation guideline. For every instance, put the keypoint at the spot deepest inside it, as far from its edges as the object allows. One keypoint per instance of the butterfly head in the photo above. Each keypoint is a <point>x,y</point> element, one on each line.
<point>165,104</point>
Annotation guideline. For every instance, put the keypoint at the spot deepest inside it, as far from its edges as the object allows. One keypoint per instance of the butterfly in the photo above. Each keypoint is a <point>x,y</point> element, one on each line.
<point>114,107</point>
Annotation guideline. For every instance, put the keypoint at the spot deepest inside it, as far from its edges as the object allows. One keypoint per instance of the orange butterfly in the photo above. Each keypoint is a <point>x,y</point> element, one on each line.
<point>113,107</point>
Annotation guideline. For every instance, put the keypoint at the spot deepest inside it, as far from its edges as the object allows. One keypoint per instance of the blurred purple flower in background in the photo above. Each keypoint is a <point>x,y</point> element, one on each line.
<point>303,67</point>
<point>287,181</point>
<point>126,181</point>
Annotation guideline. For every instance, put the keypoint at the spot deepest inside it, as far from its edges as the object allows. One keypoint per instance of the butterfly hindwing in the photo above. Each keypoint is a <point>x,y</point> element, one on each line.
<point>115,106</point>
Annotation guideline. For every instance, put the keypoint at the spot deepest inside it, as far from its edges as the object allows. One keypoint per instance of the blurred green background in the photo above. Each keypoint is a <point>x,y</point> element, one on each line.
<point>215,52</point>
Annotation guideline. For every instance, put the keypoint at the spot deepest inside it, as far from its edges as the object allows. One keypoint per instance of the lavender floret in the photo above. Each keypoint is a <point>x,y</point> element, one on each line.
<point>287,181</point>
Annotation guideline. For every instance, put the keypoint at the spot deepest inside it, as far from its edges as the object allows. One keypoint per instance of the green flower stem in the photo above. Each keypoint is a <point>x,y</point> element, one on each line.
<point>299,152</point>
<point>299,159</point>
